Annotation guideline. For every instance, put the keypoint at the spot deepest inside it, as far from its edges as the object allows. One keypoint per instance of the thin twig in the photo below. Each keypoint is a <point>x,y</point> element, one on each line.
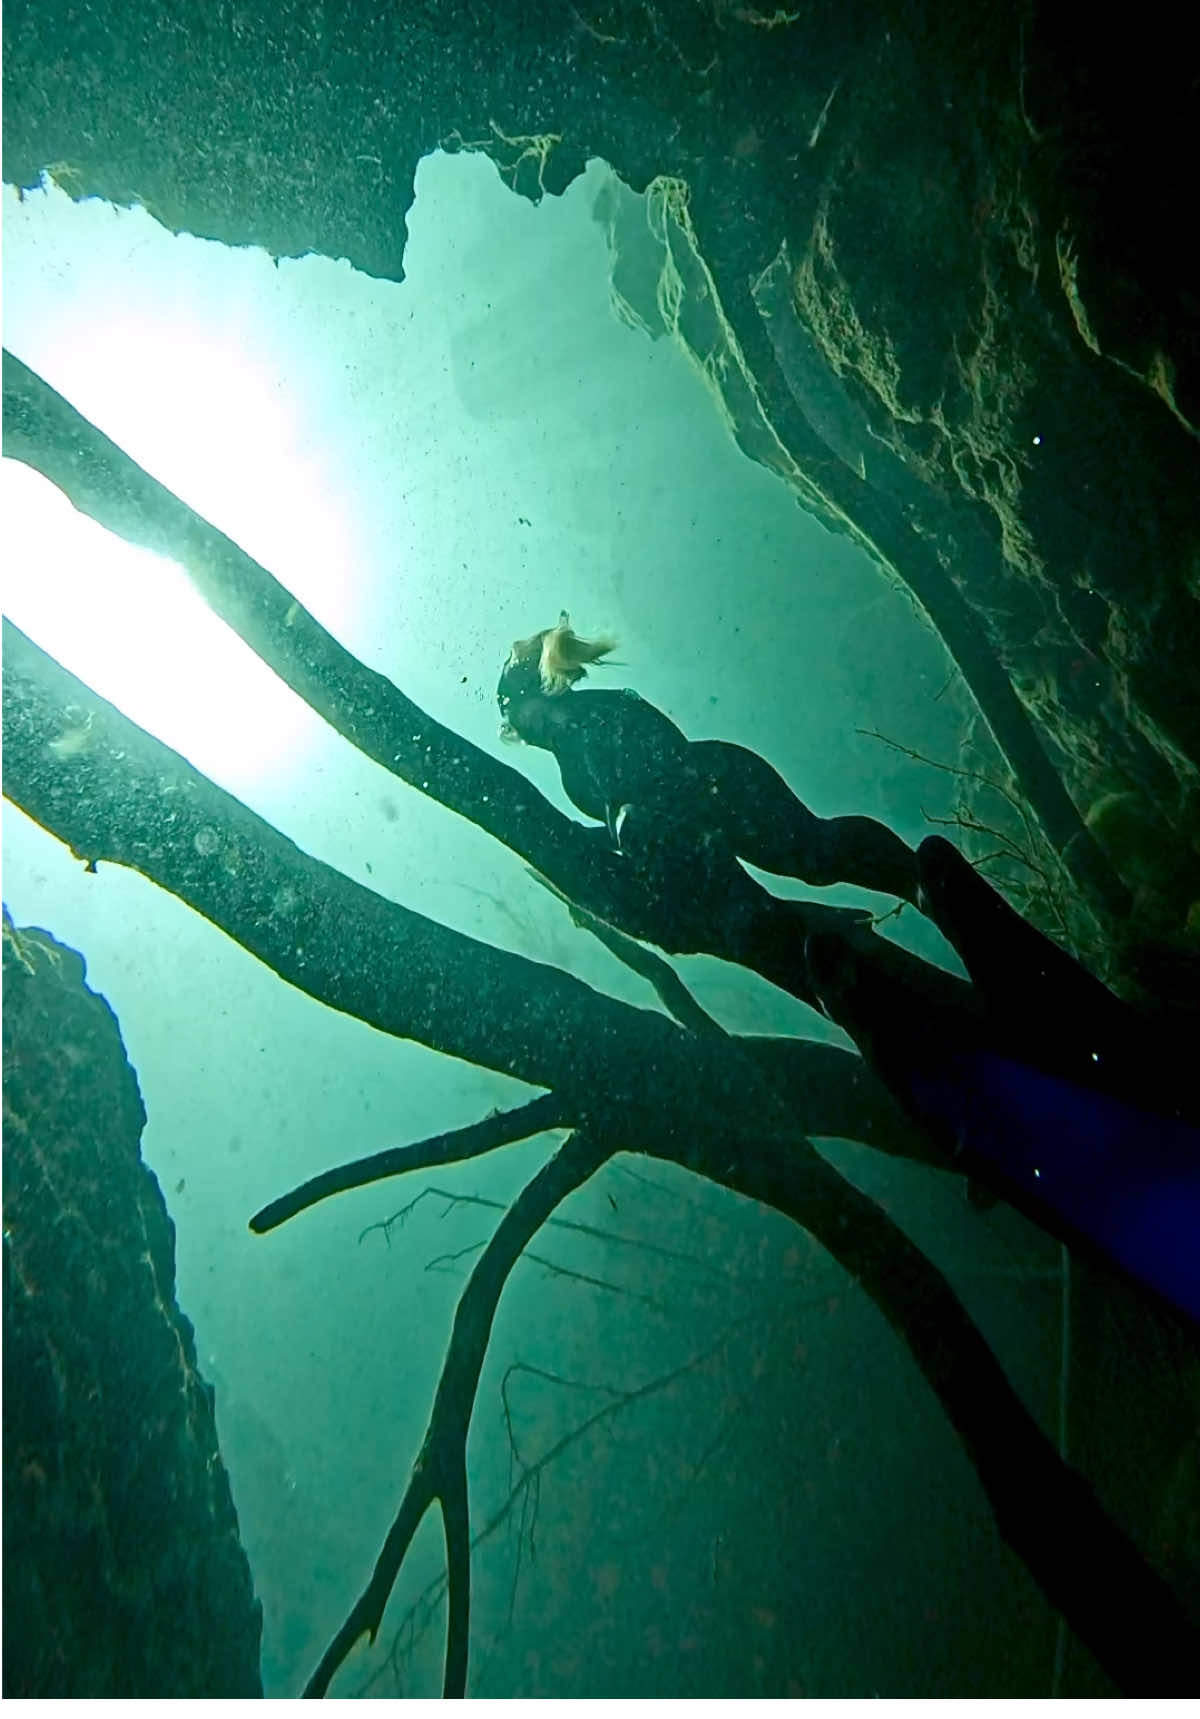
<point>622,1398</point>
<point>443,1261</point>
<point>594,1232</point>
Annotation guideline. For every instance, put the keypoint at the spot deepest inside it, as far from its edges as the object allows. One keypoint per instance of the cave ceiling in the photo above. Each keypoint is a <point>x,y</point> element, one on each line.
<point>932,261</point>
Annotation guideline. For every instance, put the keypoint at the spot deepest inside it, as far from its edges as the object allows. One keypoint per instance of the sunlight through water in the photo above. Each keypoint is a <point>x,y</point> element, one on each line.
<point>207,411</point>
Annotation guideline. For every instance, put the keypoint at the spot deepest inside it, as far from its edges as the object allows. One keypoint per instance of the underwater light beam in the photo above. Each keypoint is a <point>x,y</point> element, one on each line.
<point>158,340</point>
<point>130,625</point>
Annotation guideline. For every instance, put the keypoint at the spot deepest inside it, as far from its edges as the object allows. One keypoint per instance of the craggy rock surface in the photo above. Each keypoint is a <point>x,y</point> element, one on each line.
<point>934,259</point>
<point>123,1571</point>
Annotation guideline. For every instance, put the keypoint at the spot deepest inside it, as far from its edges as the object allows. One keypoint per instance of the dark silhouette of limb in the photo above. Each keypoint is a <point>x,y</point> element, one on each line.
<point>770,827</point>
<point>616,750</point>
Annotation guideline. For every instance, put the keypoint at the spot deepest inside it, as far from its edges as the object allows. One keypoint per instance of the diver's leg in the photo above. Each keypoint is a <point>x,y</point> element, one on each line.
<point>867,853</point>
<point>771,827</point>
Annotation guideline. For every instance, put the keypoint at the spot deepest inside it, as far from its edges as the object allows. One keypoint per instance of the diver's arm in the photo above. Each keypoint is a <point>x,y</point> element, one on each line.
<point>614,750</point>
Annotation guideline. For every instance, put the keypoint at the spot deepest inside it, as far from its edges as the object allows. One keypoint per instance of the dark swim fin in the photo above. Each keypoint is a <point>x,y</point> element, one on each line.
<point>1089,1167</point>
<point>1029,982</point>
<point>1094,1168</point>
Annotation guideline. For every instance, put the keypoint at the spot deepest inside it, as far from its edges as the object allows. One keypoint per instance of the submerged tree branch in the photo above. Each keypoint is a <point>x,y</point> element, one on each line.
<point>723,911</point>
<point>1087,1567</point>
<point>455,1147</point>
<point>44,431</point>
<point>440,1470</point>
<point>98,782</point>
<point>113,793</point>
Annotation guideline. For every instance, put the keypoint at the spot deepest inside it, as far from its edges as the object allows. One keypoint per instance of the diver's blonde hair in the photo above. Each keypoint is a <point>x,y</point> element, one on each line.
<point>562,655</point>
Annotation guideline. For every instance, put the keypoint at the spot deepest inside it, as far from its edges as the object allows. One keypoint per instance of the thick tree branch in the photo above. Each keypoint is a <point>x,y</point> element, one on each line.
<point>113,793</point>
<point>1124,1612</point>
<point>44,431</point>
<point>91,777</point>
<point>716,909</point>
<point>1087,1567</point>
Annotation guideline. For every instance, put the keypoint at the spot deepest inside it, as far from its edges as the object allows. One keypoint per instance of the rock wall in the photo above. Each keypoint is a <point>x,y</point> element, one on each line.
<point>934,258</point>
<point>123,1571</point>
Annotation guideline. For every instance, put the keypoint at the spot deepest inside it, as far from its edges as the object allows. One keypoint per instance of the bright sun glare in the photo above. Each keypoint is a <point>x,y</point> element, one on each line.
<point>129,624</point>
<point>216,425</point>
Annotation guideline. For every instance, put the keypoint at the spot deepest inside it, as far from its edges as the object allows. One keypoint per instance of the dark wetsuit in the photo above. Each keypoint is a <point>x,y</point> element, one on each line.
<point>616,751</point>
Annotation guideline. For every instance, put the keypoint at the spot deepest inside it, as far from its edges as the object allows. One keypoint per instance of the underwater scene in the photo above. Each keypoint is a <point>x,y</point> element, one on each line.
<point>601,852</point>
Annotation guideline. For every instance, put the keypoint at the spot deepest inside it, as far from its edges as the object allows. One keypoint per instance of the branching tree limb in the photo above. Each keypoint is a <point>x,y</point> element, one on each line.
<point>112,793</point>
<point>1047,1514</point>
<point>722,911</point>
<point>455,1147</point>
<point>617,1401</point>
<point>440,1471</point>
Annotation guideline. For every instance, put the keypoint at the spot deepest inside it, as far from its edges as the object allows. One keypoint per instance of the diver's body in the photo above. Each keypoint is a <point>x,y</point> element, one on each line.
<point>622,759</point>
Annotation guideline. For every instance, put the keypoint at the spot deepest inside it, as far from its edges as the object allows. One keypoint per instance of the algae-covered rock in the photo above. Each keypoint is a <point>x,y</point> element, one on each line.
<point>123,1571</point>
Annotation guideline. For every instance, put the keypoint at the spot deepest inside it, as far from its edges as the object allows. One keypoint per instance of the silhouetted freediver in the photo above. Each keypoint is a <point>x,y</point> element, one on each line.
<point>1034,1077</point>
<point>625,764</point>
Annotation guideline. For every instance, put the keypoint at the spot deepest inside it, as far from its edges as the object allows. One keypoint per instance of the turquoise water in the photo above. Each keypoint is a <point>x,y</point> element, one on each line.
<point>436,468</point>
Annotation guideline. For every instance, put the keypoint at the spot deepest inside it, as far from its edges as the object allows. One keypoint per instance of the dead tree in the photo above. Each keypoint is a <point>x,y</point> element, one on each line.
<point>734,1111</point>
